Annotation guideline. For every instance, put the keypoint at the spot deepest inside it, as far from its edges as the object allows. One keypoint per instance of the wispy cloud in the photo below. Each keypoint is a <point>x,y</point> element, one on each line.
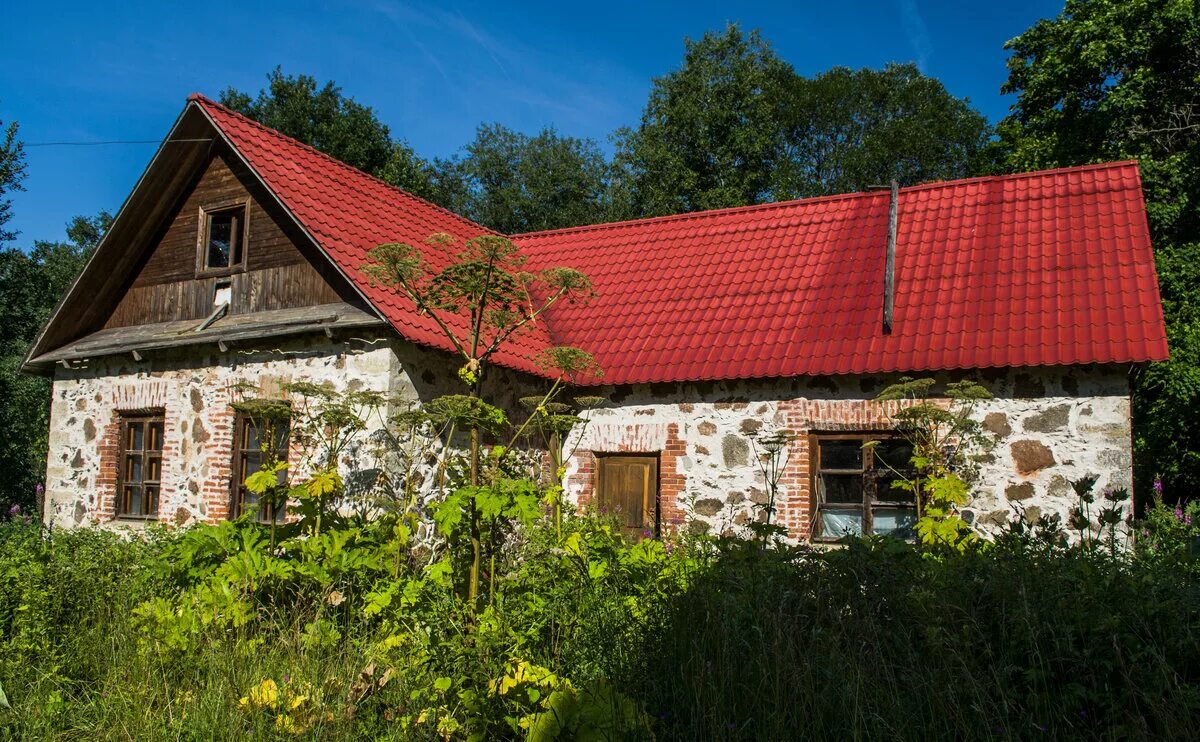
<point>916,31</point>
<point>477,64</point>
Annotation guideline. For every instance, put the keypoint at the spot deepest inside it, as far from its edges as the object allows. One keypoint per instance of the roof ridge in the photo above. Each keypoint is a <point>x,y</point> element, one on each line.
<point>702,214</point>
<point>707,213</point>
<point>206,101</point>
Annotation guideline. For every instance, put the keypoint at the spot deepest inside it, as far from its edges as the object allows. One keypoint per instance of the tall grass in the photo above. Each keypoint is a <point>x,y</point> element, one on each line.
<point>717,640</point>
<point>878,643</point>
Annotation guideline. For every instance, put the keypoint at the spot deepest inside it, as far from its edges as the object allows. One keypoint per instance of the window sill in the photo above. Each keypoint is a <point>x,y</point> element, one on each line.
<point>220,272</point>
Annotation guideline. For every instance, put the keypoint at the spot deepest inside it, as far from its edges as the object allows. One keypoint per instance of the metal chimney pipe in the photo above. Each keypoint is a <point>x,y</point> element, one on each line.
<point>889,269</point>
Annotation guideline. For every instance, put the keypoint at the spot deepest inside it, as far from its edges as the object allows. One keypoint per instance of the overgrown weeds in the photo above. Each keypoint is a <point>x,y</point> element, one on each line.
<point>206,634</point>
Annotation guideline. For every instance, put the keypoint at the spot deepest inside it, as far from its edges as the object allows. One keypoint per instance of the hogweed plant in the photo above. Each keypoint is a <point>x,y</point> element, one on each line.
<point>1109,514</point>
<point>480,300</point>
<point>771,455</point>
<point>944,437</point>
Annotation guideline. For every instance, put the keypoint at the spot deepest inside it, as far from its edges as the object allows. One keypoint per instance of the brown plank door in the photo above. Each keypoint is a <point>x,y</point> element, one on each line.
<point>628,486</point>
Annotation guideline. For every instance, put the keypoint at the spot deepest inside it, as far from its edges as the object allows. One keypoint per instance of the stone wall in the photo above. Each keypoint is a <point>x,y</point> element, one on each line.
<point>1050,426</point>
<point>196,390</point>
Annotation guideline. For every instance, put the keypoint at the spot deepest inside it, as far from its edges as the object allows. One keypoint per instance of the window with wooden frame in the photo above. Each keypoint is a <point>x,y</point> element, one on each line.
<point>139,470</point>
<point>257,442</point>
<point>853,484</point>
<point>627,486</point>
<point>222,238</point>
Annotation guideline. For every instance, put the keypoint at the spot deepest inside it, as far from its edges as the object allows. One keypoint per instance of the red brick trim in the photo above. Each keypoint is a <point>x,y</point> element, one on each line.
<point>663,440</point>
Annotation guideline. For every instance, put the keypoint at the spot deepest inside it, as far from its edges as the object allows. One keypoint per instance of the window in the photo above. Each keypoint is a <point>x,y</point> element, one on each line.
<point>222,241</point>
<point>853,486</point>
<point>140,470</point>
<point>257,442</point>
<point>628,487</point>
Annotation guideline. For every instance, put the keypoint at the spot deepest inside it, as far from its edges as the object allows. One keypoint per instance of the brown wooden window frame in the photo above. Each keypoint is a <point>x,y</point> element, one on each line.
<point>149,461</point>
<point>238,493</point>
<point>237,257</point>
<point>653,498</point>
<point>874,496</point>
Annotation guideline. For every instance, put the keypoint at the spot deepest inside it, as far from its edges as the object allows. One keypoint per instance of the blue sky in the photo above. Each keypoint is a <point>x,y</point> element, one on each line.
<point>75,71</point>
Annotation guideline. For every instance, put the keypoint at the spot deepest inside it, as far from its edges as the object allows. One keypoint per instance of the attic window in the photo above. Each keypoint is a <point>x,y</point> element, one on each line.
<point>222,244</point>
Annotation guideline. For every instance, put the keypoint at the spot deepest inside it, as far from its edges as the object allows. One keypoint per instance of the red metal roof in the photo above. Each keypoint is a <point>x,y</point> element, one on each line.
<point>1045,268</point>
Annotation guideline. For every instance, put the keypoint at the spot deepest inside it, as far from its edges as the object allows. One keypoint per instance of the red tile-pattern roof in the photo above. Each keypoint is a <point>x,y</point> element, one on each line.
<point>1036,269</point>
<point>349,212</point>
<point>1047,268</point>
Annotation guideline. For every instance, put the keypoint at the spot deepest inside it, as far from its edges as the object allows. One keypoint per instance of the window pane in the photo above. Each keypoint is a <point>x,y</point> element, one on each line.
<point>281,440</point>
<point>837,522</point>
<point>151,500</point>
<point>898,522</point>
<point>893,454</point>
<point>133,441</point>
<point>133,469</point>
<point>154,432</point>
<point>841,454</point>
<point>253,441</point>
<point>153,469</point>
<point>841,488</point>
<point>251,462</point>
<point>133,500</point>
<point>886,491</point>
<point>220,236</point>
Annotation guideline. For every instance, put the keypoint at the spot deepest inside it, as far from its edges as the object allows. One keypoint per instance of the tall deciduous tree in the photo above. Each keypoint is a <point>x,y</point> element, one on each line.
<point>710,135</point>
<point>12,172</point>
<point>30,285</point>
<point>736,125</point>
<point>845,130</point>
<point>514,183</point>
<point>341,127</point>
<point>1116,79</point>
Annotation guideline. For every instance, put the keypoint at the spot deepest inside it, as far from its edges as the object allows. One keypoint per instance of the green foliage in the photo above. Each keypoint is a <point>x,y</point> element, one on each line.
<point>514,183</point>
<point>939,424</point>
<point>735,125</point>
<point>209,631</point>
<point>12,172</point>
<point>710,133</point>
<point>30,285</point>
<point>323,118</point>
<point>1119,79</point>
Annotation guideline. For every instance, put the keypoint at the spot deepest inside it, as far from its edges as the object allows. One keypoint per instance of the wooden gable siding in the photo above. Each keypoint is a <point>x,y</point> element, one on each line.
<point>276,274</point>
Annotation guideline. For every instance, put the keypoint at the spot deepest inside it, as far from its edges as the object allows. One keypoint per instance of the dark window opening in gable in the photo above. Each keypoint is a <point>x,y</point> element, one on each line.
<point>854,486</point>
<point>139,473</point>
<point>257,444</point>
<point>223,241</point>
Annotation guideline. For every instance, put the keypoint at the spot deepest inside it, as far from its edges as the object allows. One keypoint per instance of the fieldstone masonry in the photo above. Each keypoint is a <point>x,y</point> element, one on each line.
<point>1050,426</point>
<point>196,392</point>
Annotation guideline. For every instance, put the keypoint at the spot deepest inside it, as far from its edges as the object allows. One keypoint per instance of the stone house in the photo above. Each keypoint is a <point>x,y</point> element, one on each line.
<point>237,258</point>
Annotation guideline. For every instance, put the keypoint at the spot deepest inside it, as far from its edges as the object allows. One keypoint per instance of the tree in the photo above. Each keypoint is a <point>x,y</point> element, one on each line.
<point>339,126</point>
<point>515,183</point>
<point>710,134</point>
<point>735,125</point>
<point>12,172</point>
<point>30,285</point>
<point>846,130</point>
<point>1118,79</point>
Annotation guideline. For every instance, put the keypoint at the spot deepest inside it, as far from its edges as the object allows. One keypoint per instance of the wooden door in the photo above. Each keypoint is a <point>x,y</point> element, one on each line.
<point>628,486</point>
